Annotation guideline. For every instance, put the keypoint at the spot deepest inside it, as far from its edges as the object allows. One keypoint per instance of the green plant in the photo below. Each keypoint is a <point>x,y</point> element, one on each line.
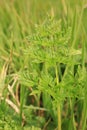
<point>43,66</point>
<point>49,52</point>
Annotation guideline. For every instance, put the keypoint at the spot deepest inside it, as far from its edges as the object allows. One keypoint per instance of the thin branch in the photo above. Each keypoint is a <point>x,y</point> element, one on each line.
<point>12,105</point>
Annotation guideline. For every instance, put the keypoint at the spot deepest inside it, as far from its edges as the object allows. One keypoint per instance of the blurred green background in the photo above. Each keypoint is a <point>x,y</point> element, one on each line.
<point>18,19</point>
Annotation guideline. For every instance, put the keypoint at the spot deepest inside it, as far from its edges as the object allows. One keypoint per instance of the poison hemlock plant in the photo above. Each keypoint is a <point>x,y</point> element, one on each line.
<point>51,68</point>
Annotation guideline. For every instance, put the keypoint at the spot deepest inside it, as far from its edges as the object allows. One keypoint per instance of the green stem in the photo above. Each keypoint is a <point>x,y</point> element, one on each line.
<point>72,115</point>
<point>59,117</point>
<point>59,107</point>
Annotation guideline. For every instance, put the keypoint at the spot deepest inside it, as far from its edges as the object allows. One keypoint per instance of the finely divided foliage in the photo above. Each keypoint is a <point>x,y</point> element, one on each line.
<point>50,46</point>
<point>50,51</point>
<point>43,66</point>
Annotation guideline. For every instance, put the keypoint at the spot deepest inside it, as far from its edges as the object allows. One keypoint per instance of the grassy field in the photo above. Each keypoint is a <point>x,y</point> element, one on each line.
<point>43,65</point>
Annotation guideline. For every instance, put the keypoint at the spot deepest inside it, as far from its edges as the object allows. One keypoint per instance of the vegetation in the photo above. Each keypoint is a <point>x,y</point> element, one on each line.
<point>43,65</point>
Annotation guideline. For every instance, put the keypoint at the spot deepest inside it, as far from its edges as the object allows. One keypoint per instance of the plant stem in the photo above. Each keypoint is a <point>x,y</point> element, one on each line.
<point>58,108</point>
<point>59,117</point>
<point>72,115</point>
